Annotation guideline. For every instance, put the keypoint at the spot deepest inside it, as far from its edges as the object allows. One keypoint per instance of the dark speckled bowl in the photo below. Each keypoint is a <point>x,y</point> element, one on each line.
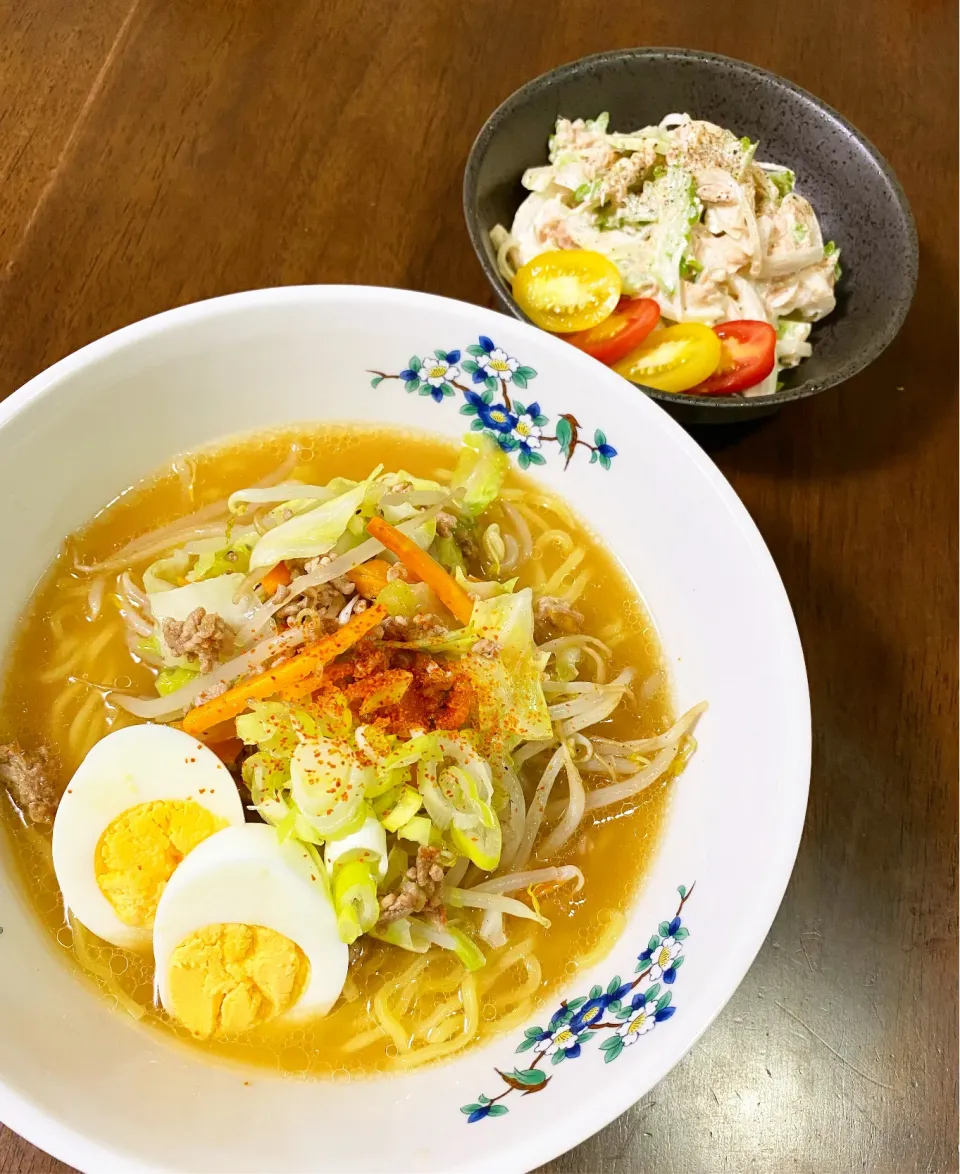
<point>855,194</point>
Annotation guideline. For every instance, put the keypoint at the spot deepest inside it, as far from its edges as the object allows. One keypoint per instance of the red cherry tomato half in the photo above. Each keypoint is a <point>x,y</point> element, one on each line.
<point>617,335</point>
<point>748,353</point>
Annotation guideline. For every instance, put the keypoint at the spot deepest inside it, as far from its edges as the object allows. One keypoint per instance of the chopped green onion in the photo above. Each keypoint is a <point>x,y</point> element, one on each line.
<point>419,829</point>
<point>455,940</point>
<point>287,825</point>
<point>385,802</point>
<point>355,900</point>
<point>397,864</point>
<point>328,786</point>
<point>466,949</point>
<point>387,780</point>
<point>406,808</point>
<point>368,844</point>
<point>480,844</point>
<point>403,933</point>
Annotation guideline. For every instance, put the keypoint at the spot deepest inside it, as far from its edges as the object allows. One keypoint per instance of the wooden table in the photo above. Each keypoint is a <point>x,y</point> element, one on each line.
<point>157,151</point>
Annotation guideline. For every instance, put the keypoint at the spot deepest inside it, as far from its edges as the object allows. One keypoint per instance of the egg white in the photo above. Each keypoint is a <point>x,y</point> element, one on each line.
<point>138,764</point>
<point>246,875</point>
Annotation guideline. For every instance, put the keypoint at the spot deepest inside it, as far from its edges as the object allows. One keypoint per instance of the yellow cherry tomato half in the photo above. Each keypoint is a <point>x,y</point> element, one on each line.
<point>567,290</point>
<point>673,359</point>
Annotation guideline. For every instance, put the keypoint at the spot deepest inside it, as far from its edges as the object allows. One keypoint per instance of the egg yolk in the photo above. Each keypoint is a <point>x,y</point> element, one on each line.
<point>228,978</point>
<point>139,850</point>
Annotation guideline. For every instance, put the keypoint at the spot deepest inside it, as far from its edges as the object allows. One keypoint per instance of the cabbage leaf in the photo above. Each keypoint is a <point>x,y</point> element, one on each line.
<point>213,595</point>
<point>308,534</point>
<point>510,701</point>
<point>216,556</point>
<point>479,473</point>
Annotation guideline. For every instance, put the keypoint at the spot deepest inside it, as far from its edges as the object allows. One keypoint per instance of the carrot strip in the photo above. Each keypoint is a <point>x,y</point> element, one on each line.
<point>284,675</point>
<point>370,577</point>
<point>227,751</point>
<point>221,732</point>
<point>449,591</point>
<point>305,688</point>
<point>278,577</point>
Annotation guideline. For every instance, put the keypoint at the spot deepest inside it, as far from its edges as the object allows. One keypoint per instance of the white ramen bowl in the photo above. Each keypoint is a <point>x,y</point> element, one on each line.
<point>80,1079</point>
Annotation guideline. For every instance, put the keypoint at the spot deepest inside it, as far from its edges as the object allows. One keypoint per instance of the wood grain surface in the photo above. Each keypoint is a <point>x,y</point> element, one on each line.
<point>157,151</point>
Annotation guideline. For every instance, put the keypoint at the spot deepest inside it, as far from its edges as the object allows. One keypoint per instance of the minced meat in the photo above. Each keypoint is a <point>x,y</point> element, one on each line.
<point>323,600</point>
<point>446,524</point>
<point>28,778</point>
<point>423,626</point>
<point>202,634</point>
<point>552,615</point>
<point>420,890</point>
<point>215,690</point>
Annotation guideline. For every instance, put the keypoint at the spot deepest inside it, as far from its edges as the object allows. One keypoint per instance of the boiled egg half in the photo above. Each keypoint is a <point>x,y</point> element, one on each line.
<point>142,799</point>
<point>245,933</point>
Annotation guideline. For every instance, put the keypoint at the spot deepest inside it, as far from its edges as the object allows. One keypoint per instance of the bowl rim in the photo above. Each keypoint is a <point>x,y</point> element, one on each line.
<point>606,1101</point>
<point>723,405</point>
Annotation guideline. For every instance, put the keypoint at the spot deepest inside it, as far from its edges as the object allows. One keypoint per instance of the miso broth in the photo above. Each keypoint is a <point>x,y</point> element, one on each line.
<point>73,647</point>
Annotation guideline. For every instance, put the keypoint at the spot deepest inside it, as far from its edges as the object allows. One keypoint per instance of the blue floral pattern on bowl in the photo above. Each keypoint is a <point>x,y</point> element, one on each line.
<point>491,402</point>
<point>624,1010</point>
